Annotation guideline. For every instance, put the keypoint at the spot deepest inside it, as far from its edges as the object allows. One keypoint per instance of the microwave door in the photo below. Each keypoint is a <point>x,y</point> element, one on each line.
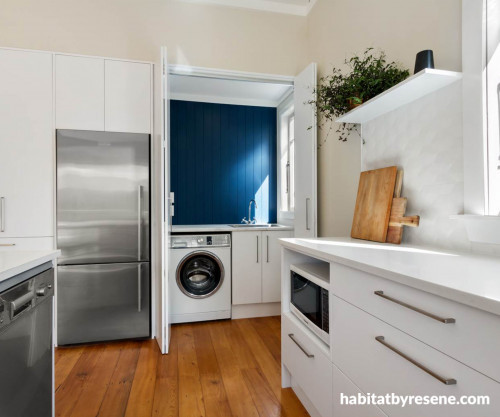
<point>306,297</point>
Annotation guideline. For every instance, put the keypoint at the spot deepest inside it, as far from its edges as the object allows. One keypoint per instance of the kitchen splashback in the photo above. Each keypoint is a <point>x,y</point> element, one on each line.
<point>425,139</point>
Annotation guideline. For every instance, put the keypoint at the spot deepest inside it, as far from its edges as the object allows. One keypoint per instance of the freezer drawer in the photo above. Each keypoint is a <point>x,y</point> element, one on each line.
<point>103,302</point>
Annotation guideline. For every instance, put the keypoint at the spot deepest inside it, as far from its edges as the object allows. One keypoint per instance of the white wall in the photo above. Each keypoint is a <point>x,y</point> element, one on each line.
<point>425,139</point>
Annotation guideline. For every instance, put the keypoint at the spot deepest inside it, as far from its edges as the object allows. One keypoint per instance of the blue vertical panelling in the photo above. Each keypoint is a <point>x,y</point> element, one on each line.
<point>221,157</point>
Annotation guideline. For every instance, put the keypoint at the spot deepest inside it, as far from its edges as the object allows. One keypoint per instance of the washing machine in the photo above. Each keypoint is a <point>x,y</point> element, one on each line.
<point>200,277</point>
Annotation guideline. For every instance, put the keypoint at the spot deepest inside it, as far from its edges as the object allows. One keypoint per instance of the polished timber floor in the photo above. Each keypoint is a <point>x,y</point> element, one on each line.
<point>225,368</point>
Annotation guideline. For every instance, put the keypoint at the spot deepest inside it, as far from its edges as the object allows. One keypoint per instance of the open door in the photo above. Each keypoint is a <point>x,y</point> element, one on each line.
<point>305,154</point>
<point>162,130</point>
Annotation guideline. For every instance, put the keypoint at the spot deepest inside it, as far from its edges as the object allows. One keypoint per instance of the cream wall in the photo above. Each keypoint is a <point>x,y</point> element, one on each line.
<point>339,28</point>
<point>208,36</point>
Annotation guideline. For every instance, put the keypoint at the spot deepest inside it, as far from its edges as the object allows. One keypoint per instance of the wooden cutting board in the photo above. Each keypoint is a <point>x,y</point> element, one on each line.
<point>398,218</point>
<point>373,204</point>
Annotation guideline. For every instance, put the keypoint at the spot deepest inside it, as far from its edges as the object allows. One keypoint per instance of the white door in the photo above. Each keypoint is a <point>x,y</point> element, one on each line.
<point>26,144</point>
<point>305,153</point>
<point>79,92</point>
<point>162,215</point>
<point>271,265</point>
<point>247,267</point>
<point>127,97</point>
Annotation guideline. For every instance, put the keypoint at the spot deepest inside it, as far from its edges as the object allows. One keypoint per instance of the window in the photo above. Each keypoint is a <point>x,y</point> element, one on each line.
<point>287,157</point>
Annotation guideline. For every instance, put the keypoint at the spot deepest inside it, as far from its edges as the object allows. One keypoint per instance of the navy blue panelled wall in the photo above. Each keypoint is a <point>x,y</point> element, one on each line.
<point>221,157</point>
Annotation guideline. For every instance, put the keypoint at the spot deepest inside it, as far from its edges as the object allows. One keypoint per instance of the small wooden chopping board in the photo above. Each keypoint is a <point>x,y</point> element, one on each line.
<point>373,204</point>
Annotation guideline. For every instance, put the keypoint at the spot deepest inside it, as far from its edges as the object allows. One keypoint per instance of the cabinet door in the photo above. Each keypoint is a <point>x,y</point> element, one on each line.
<point>247,271</point>
<point>26,144</point>
<point>128,97</point>
<point>305,154</point>
<point>79,93</point>
<point>343,390</point>
<point>271,265</point>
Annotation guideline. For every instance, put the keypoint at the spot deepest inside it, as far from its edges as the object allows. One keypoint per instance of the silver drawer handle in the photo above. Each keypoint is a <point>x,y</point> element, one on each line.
<point>418,310</point>
<point>7,244</point>
<point>300,346</point>
<point>257,252</point>
<point>381,339</point>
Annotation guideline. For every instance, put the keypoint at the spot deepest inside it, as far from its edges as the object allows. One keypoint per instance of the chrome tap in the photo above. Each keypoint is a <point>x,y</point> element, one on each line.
<point>254,221</point>
<point>250,212</point>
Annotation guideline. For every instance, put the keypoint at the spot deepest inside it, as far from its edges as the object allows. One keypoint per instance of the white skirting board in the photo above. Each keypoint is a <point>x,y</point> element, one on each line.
<point>245,311</point>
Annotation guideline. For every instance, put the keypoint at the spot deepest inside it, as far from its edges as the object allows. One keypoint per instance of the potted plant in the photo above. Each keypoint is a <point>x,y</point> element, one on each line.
<point>370,74</point>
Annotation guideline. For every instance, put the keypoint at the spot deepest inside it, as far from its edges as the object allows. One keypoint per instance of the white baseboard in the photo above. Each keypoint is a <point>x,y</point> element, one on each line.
<point>245,311</point>
<point>193,317</point>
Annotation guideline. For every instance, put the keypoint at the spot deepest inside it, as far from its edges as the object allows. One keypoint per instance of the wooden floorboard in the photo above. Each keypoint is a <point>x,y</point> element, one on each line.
<point>214,369</point>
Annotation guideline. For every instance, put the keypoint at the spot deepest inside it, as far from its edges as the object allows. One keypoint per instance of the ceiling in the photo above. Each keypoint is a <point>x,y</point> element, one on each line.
<point>216,90</point>
<point>295,7</point>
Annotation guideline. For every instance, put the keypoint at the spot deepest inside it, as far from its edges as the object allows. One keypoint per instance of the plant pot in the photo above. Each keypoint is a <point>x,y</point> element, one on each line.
<point>352,104</point>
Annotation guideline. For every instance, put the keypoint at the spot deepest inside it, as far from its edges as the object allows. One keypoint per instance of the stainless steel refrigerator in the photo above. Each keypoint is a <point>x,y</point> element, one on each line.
<point>103,232</point>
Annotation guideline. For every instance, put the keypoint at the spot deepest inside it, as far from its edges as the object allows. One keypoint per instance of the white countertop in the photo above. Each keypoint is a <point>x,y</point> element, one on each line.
<point>211,228</point>
<point>16,262</point>
<point>466,278</point>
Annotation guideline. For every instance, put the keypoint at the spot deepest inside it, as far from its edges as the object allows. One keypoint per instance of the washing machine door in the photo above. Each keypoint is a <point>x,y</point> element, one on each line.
<point>200,274</point>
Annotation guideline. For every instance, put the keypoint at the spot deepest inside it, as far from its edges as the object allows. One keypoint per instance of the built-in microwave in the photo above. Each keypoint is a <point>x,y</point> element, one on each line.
<point>309,301</point>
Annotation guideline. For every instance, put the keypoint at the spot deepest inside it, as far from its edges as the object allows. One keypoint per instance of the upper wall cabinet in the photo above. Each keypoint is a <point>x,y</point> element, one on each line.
<point>101,94</point>
<point>128,97</point>
<point>79,93</point>
<point>26,145</point>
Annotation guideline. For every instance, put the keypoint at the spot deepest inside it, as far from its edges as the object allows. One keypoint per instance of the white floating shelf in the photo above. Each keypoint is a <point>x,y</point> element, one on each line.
<point>419,85</point>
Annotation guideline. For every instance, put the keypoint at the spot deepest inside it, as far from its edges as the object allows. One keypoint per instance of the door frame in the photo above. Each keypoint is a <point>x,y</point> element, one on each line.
<point>233,75</point>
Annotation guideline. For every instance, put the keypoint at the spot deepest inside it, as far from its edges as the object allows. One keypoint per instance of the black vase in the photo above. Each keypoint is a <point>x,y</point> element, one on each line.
<point>425,59</point>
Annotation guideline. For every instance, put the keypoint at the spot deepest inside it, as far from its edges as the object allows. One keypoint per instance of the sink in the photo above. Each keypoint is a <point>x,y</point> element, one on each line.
<point>255,225</point>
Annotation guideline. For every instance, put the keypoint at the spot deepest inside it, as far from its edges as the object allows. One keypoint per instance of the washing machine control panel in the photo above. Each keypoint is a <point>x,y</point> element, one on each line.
<point>199,241</point>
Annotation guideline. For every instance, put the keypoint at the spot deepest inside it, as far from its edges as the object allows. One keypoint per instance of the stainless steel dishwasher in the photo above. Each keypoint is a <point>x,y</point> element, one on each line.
<point>26,352</point>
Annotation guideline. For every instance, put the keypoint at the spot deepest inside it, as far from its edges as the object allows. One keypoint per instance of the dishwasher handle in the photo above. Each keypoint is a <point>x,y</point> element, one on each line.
<point>22,303</point>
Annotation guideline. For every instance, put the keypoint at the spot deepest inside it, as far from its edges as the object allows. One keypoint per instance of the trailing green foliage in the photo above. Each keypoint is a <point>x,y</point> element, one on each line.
<point>370,74</point>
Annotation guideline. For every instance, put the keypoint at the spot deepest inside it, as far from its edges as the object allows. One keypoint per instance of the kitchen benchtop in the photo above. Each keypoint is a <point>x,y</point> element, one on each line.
<point>16,262</point>
<point>466,278</point>
<point>211,228</point>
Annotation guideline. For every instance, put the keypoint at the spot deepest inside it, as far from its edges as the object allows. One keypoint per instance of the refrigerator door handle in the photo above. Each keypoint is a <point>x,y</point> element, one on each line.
<point>139,288</point>
<point>139,222</point>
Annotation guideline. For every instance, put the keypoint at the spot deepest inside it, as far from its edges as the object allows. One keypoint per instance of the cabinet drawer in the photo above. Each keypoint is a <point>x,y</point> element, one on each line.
<point>312,373</point>
<point>473,338</point>
<point>344,386</point>
<point>377,369</point>
<point>27,243</point>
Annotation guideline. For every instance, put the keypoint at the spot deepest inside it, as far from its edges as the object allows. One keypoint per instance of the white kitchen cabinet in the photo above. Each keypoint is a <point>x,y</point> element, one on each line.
<point>256,263</point>
<point>26,144</point>
<point>271,265</point>
<point>378,369</point>
<point>128,97</point>
<point>343,387</point>
<point>308,361</point>
<point>79,92</point>
<point>27,243</point>
<point>247,267</point>
<point>443,324</point>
